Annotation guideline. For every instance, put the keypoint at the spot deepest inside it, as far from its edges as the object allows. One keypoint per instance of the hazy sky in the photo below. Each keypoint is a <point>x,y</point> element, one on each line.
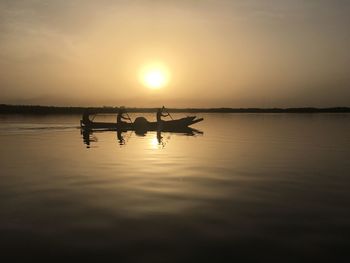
<point>244,53</point>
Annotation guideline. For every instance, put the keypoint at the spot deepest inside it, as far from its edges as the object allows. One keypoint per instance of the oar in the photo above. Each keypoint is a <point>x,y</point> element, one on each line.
<point>129,117</point>
<point>169,114</point>
<point>93,117</point>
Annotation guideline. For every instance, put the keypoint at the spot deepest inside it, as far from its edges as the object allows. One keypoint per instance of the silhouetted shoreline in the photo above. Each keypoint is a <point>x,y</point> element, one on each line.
<point>43,110</point>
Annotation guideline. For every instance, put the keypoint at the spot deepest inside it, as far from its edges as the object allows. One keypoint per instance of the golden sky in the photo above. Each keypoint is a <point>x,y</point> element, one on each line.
<point>244,53</point>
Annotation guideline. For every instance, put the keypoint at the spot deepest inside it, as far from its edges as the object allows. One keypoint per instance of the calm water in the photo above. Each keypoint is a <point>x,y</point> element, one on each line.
<point>252,187</point>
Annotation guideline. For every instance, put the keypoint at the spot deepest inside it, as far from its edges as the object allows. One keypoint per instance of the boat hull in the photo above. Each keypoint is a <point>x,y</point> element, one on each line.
<point>165,126</point>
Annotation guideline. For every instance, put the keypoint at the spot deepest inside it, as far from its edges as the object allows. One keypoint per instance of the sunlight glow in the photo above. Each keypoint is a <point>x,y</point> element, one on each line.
<point>154,76</point>
<point>154,144</point>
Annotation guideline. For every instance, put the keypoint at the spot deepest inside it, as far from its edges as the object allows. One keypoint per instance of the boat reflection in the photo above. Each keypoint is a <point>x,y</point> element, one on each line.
<point>89,136</point>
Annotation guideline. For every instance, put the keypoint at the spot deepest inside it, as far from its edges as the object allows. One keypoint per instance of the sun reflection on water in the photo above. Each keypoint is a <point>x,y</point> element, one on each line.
<point>154,143</point>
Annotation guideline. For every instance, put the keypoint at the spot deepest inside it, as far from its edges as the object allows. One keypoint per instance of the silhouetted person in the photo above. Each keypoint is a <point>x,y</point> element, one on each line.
<point>121,116</point>
<point>160,114</point>
<point>86,117</point>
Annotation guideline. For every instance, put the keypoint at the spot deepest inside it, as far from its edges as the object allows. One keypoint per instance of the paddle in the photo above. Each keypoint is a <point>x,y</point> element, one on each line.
<point>129,117</point>
<point>168,113</point>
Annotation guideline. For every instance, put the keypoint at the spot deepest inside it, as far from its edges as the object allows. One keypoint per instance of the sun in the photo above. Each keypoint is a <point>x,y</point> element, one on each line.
<point>154,79</point>
<point>154,76</point>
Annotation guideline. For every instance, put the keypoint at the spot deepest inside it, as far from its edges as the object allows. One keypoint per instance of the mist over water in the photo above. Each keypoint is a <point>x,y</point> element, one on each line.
<point>252,187</point>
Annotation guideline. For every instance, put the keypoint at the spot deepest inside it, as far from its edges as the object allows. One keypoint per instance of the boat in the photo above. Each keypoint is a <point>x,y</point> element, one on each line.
<point>141,124</point>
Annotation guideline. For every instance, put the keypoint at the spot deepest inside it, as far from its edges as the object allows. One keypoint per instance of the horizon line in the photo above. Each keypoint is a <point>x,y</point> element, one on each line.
<point>40,109</point>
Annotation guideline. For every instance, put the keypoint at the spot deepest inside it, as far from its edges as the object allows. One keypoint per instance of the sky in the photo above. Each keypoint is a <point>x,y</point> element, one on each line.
<point>218,53</point>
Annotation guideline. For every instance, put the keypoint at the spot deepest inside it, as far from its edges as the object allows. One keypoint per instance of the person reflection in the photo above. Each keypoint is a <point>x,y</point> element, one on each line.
<point>88,138</point>
<point>159,136</point>
<point>120,137</point>
<point>160,139</point>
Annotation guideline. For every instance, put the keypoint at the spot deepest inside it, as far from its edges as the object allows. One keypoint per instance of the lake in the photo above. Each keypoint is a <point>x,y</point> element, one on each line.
<point>245,187</point>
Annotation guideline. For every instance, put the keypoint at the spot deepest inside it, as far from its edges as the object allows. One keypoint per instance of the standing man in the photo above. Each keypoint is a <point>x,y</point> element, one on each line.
<point>160,114</point>
<point>120,116</point>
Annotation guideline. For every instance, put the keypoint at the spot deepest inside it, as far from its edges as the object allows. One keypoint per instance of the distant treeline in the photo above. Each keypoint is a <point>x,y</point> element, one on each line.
<point>42,110</point>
